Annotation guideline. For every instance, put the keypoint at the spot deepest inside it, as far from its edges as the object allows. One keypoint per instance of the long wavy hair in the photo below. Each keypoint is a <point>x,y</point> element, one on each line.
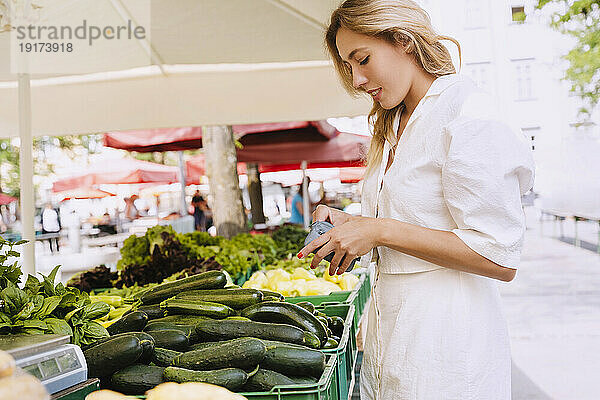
<point>399,22</point>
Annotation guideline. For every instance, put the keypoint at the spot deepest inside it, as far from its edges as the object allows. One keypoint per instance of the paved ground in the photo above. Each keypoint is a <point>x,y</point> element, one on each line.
<point>553,312</point>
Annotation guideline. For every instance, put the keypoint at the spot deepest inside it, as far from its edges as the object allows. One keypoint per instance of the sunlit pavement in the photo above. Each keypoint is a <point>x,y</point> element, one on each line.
<point>553,313</point>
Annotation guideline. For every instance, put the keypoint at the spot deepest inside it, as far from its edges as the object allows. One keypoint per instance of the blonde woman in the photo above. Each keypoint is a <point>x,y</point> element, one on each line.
<point>442,216</point>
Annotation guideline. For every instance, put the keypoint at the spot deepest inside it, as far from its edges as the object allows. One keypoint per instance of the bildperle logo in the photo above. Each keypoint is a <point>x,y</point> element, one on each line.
<point>84,31</point>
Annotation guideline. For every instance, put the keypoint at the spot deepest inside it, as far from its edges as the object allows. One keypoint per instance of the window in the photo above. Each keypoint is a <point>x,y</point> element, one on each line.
<point>475,14</point>
<point>531,133</point>
<point>518,14</point>
<point>480,73</point>
<point>523,79</point>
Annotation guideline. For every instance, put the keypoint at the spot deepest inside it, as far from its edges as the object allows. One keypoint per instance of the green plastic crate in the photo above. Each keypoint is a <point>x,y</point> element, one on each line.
<point>325,389</point>
<point>347,350</point>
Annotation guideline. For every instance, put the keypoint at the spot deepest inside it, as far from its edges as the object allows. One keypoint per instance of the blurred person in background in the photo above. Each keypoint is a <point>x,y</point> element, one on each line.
<point>199,205</point>
<point>131,212</point>
<point>296,208</point>
<point>51,224</point>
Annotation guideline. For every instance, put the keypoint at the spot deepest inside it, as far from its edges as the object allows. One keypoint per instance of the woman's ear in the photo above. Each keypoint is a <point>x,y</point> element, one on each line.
<point>404,41</point>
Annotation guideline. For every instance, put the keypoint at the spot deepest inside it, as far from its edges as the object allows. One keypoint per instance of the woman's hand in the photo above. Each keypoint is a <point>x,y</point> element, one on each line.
<point>335,216</point>
<point>353,238</point>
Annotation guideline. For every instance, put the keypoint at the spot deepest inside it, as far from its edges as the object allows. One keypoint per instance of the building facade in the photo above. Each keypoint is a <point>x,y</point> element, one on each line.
<point>509,50</point>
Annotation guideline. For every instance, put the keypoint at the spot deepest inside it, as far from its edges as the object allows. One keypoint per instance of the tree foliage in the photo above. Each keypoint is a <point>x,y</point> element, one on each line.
<point>581,20</point>
<point>71,146</point>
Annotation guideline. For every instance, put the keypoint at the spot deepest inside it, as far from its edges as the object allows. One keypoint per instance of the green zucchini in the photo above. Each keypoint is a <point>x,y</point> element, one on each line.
<point>147,343</point>
<point>323,321</point>
<point>236,353</point>
<point>181,319</point>
<point>152,311</point>
<point>230,378</point>
<point>286,313</point>
<point>307,305</point>
<point>188,330</point>
<point>140,335</point>
<point>272,294</point>
<point>188,306</point>
<point>303,380</point>
<point>290,359</point>
<point>136,379</point>
<point>205,280</point>
<point>271,298</point>
<point>238,318</point>
<point>232,286</point>
<point>331,343</point>
<point>107,358</point>
<point>337,326</point>
<point>265,380</point>
<point>170,339</point>
<point>134,322</point>
<point>163,357</point>
<point>231,329</point>
<point>234,298</point>
<point>198,346</point>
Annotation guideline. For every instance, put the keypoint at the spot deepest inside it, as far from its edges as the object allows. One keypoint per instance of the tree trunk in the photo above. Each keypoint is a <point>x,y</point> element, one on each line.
<point>229,216</point>
<point>255,192</point>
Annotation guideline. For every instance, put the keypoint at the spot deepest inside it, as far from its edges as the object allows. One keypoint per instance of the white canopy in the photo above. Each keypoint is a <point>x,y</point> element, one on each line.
<point>212,62</point>
<point>204,62</point>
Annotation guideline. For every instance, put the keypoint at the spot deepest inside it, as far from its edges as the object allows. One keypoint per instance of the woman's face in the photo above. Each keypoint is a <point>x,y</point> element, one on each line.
<point>383,70</point>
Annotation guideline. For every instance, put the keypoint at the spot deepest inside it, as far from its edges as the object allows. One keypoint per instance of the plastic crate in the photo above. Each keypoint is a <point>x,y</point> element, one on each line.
<point>325,389</point>
<point>363,294</point>
<point>347,350</point>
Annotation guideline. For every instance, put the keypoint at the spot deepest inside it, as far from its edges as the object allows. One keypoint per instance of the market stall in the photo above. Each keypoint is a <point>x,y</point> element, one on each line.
<point>191,308</point>
<point>161,82</point>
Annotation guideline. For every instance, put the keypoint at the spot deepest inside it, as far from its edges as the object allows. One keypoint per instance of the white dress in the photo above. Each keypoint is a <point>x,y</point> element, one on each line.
<point>436,333</point>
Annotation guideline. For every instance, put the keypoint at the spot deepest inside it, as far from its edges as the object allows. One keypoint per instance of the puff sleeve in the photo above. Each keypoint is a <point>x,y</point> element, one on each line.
<point>487,169</point>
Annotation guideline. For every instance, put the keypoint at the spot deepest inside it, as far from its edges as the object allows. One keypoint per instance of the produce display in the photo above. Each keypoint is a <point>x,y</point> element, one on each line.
<point>212,333</point>
<point>289,240</point>
<point>161,254</point>
<point>157,255</point>
<point>99,277</point>
<point>300,281</point>
<point>42,307</point>
<point>172,316</point>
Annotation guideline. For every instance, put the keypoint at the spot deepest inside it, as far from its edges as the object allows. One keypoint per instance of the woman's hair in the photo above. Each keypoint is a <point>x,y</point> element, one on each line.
<point>400,22</point>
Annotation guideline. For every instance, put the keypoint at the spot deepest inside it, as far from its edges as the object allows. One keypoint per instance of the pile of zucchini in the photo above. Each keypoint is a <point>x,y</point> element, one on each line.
<point>198,330</point>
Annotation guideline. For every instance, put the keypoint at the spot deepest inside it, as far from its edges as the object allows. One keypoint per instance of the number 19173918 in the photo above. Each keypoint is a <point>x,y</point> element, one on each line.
<point>45,47</point>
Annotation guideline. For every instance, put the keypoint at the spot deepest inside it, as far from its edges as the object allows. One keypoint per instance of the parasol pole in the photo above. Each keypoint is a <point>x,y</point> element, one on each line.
<point>305,199</point>
<point>26,172</point>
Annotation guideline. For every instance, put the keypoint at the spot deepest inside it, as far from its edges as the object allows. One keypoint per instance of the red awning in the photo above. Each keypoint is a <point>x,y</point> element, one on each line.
<point>173,139</point>
<point>352,174</point>
<point>144,141</point>
<point>196,167</point>
<point>83,193</point>
<point>117,171</point>
<point>345,150</point>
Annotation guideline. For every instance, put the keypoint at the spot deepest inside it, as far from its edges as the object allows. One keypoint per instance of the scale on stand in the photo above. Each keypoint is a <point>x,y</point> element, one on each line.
<point>50,358</point>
